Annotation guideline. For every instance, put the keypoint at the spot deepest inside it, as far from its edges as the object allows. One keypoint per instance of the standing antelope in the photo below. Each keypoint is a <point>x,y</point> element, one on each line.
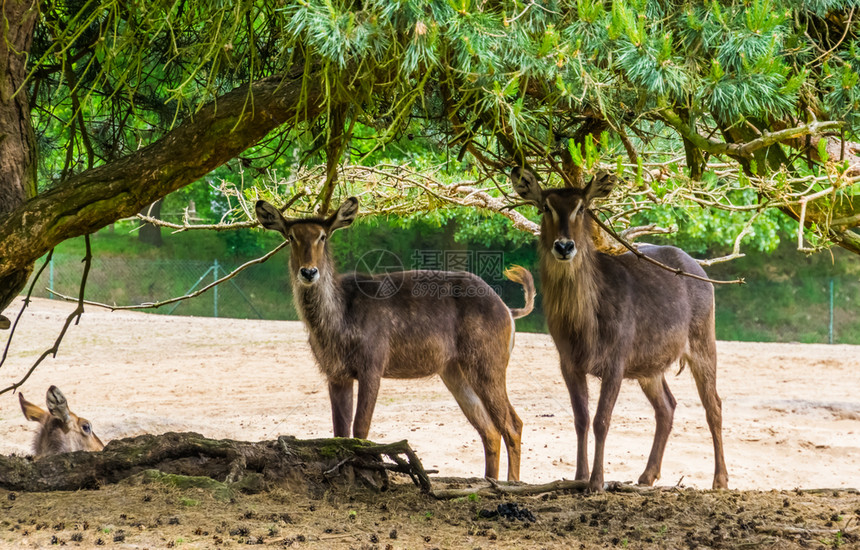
<point>621,317</point>
<point>430,322</point>
<point>60,430</point>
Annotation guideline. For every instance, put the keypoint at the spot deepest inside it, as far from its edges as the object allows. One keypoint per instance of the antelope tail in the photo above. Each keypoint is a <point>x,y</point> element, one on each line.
<point>519,274</point>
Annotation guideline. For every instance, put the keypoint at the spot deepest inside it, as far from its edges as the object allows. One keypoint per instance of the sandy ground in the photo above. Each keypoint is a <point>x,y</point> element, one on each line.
<point>791,412</point>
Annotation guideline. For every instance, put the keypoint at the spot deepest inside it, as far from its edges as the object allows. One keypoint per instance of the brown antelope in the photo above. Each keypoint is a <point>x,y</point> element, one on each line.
<point>621,317</point>
<point>428,322</point>
<point>60,430</point>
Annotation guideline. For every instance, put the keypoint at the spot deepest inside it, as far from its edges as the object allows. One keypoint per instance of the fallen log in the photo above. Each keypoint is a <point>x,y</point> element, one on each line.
<point>310,466</point>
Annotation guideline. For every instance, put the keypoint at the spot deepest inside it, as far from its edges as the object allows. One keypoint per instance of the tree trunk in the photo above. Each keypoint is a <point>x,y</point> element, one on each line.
<point>151,233</point>
<point>17,141</point>
<point>97,197</point>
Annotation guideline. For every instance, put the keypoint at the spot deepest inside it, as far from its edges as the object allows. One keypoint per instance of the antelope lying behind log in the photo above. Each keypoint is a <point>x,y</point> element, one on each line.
<point>60,430</point>
<point>427,322</point>
<point>621,317</point>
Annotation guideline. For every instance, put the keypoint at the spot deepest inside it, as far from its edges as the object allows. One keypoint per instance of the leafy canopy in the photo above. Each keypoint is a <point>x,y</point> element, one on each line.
<point>721,115</point>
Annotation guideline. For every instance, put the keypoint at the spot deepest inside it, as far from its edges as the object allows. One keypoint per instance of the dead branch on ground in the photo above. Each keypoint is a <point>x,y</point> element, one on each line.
<point>303,465</point>
<point>500,488</point>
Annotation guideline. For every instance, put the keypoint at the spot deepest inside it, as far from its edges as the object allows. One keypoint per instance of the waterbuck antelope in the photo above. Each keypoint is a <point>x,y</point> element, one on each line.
<point>60,430</point>
<point>426,322</point>
<point>621,317</point>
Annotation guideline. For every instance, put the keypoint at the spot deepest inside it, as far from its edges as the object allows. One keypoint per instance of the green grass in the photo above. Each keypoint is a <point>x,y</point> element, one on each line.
<point>121,240</point>
<point>786,297</point>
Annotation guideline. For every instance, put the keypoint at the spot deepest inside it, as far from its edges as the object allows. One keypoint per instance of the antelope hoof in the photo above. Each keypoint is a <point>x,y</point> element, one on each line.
<point>595,486</point>
<point>648,479</point>
<point>4,322</point>
<point>721,482</point>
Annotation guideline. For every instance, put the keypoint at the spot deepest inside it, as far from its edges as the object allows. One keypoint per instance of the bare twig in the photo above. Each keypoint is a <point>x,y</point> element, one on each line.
<point>496,488</point>
<point>76,315</point>
<point>24,305</point>
<point>388,188</point>
<point>222,226</point>
<point>185,226</point>
<point>651,260</point>
<point>413,467</point>
<point>801,223</point>
<point>633,233</point>
<point>736,249</point>
<point>841,39</point>
<point>293,200</point>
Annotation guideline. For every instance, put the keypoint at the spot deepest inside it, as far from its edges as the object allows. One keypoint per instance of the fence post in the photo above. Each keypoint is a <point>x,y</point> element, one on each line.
<point>831,310</point>
<point>215,294</point>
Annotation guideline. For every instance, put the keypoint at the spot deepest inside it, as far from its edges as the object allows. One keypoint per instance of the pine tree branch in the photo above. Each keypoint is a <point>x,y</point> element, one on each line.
<point>745,150</point>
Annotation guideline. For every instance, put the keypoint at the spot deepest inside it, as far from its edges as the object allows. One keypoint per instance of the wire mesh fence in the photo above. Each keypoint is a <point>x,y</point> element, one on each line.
<point>809,310</point>
<point>260,292</point>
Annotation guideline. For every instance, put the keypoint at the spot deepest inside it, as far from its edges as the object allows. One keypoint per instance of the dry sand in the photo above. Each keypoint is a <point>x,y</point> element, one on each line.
<point>791,412</point>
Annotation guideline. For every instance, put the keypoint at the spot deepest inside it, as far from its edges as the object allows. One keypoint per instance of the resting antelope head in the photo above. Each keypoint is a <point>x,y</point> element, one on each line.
<point>60,430</point>
<point>565,226</point>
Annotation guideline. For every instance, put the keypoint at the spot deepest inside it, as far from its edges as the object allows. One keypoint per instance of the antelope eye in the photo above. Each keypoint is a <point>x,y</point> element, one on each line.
<point>322,238</point>
<point>87,429</point>
<point>546,208</point>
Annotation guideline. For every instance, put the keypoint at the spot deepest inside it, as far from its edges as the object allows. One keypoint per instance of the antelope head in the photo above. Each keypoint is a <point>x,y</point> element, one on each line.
<point>563,210</point>
<point>60,430</point>
<point>307,237</point>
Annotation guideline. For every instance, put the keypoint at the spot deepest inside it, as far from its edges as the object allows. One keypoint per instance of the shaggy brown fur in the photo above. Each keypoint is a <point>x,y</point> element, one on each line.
<point>621,317</point>
<point>408,324</point>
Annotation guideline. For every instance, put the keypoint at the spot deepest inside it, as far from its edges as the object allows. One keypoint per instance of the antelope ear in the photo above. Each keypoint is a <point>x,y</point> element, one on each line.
<point>526,185</point>
<point>271,218</point>
<point>32,412</point>
<point>57,404</point>
<point>600,185</point>
<point>344,216</point>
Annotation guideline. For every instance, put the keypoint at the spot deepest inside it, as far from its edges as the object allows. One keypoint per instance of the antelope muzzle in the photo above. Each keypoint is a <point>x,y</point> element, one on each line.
<point>308,275</point>
<point>564,250</point>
